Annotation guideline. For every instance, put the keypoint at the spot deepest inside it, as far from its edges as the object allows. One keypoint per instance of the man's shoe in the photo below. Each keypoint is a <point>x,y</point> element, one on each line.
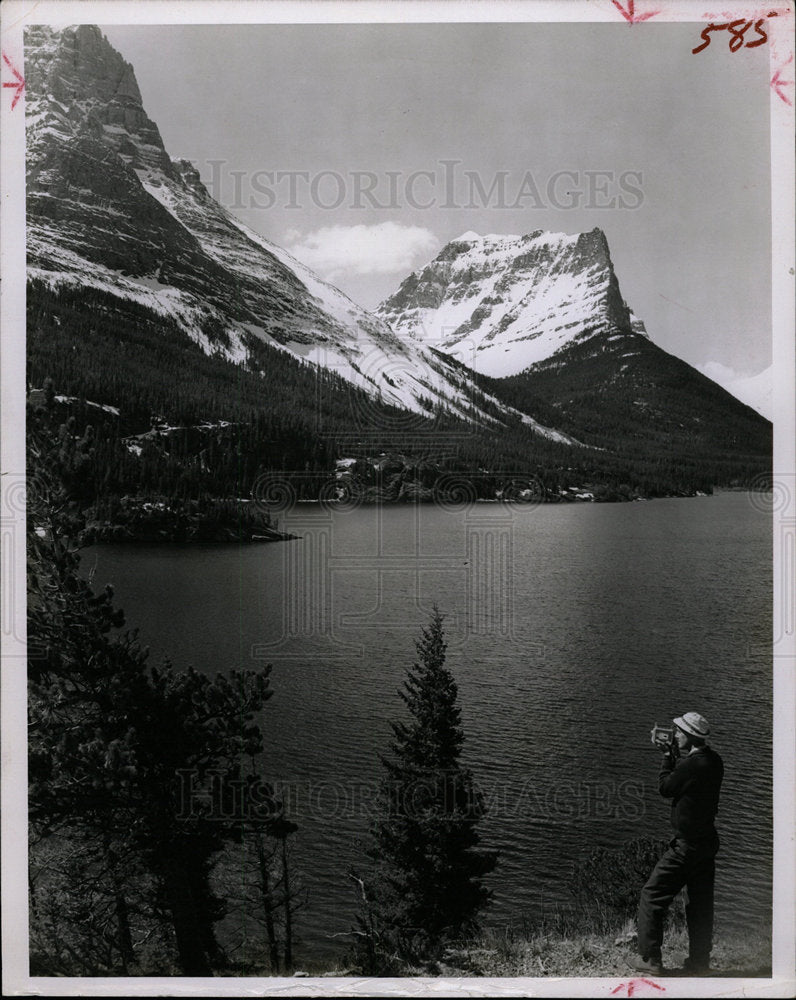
<point>652,966</point>
<point>693,967</point>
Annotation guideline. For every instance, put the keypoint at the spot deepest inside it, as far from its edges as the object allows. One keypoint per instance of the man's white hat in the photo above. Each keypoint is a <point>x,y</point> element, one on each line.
<point>694,724</point>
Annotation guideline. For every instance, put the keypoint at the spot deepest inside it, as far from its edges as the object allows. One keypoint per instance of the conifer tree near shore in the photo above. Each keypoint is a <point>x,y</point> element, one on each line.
<point>428,885</point>
<point>120,857</point>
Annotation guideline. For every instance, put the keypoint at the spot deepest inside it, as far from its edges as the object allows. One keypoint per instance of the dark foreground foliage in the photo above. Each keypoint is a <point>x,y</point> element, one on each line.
<point>426,887</point>
<point>121,857</point>
<point>606,884</point>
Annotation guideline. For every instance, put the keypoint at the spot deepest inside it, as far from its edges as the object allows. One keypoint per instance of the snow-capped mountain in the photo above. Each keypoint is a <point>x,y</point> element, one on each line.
<point>542,318</point>
<point>108,208</point>
<point>503,303</point>
<point>140,281</point>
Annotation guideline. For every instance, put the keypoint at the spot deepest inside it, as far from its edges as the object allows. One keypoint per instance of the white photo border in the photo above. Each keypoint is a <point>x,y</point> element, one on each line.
<point>15,15</point>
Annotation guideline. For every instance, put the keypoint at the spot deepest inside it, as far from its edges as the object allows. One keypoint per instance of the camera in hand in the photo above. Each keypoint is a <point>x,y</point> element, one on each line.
<point>663,737</point>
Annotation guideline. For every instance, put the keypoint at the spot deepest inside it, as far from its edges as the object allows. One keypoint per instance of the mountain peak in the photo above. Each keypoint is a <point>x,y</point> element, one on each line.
<point>80,88</point>
<point>109,210</point>
<point>78,63</point>
<point>500,303</point>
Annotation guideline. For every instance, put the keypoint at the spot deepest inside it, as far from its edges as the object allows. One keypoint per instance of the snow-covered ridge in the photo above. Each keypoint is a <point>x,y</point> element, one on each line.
<point>108,208</point>
<point>503,303</point>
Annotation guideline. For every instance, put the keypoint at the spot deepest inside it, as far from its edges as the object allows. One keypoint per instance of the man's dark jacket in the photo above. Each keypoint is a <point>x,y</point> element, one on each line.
<point>693,783</point>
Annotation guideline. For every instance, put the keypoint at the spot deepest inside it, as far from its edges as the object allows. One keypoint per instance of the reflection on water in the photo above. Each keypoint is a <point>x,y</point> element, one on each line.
<point>571,629</point>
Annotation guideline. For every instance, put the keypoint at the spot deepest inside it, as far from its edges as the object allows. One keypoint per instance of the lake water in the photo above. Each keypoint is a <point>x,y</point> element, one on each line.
<point>571,629</point>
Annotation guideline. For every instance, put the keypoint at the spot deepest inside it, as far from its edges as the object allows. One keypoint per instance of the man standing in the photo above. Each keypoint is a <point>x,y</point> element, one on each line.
<point>690,775</point>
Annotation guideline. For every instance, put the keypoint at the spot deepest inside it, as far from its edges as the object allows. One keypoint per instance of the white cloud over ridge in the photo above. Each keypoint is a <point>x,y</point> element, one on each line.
<point>336,252</point>
<point>754,390</point>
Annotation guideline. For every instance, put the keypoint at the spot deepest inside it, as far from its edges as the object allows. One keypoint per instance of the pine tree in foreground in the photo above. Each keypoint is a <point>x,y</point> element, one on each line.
<point>428,870</point>
<point>121,756</point>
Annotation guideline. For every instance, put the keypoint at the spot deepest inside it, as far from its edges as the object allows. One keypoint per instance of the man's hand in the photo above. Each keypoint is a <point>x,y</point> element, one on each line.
<point>662,737</point>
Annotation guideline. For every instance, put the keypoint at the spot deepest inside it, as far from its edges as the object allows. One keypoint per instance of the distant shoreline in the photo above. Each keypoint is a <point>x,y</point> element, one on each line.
<point>231,533</point>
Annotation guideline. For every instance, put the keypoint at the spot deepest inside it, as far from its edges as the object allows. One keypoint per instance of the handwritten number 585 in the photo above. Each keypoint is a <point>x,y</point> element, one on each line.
<point>737,30</point>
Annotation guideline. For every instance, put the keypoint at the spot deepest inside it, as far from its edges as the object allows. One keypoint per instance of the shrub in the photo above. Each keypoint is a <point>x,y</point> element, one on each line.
<point>605,886</point>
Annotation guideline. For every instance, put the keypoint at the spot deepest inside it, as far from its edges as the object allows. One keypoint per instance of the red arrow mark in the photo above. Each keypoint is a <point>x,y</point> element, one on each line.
<point>630,986</point>
<point>19,86</point>
<point>776,83</point>
<point>630,14</point>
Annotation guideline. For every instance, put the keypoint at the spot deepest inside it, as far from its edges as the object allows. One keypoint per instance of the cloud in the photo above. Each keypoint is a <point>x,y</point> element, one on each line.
<point>341,251</point>
<point>718,372</point>
<point>754,390</point>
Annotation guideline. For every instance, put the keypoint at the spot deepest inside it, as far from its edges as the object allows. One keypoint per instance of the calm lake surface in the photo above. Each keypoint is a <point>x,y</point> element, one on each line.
<point>571,629</point>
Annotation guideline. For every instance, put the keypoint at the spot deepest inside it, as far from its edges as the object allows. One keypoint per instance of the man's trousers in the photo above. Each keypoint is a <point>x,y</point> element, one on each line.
<point>689,865</point>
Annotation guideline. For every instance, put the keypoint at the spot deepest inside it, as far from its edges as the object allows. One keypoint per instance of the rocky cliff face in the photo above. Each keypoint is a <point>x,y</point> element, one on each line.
<point>108,208</point>
<point>503,303</point>
<point>86,135</point>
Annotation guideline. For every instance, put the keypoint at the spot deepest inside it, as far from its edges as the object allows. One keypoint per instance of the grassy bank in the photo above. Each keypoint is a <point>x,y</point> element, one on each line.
<point>584,954</point>
<point>544,953</point>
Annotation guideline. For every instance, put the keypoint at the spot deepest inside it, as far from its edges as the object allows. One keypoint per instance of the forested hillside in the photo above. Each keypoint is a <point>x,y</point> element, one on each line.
<point>191,424</point>
<point>638,401</point>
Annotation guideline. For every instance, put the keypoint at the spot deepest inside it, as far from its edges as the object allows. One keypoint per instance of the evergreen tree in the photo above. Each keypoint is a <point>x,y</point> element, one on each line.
<point>428,868</point>
<point>113,840</point>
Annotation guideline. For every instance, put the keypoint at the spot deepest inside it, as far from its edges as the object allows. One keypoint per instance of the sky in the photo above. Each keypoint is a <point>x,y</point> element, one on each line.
<point>365,148</point>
